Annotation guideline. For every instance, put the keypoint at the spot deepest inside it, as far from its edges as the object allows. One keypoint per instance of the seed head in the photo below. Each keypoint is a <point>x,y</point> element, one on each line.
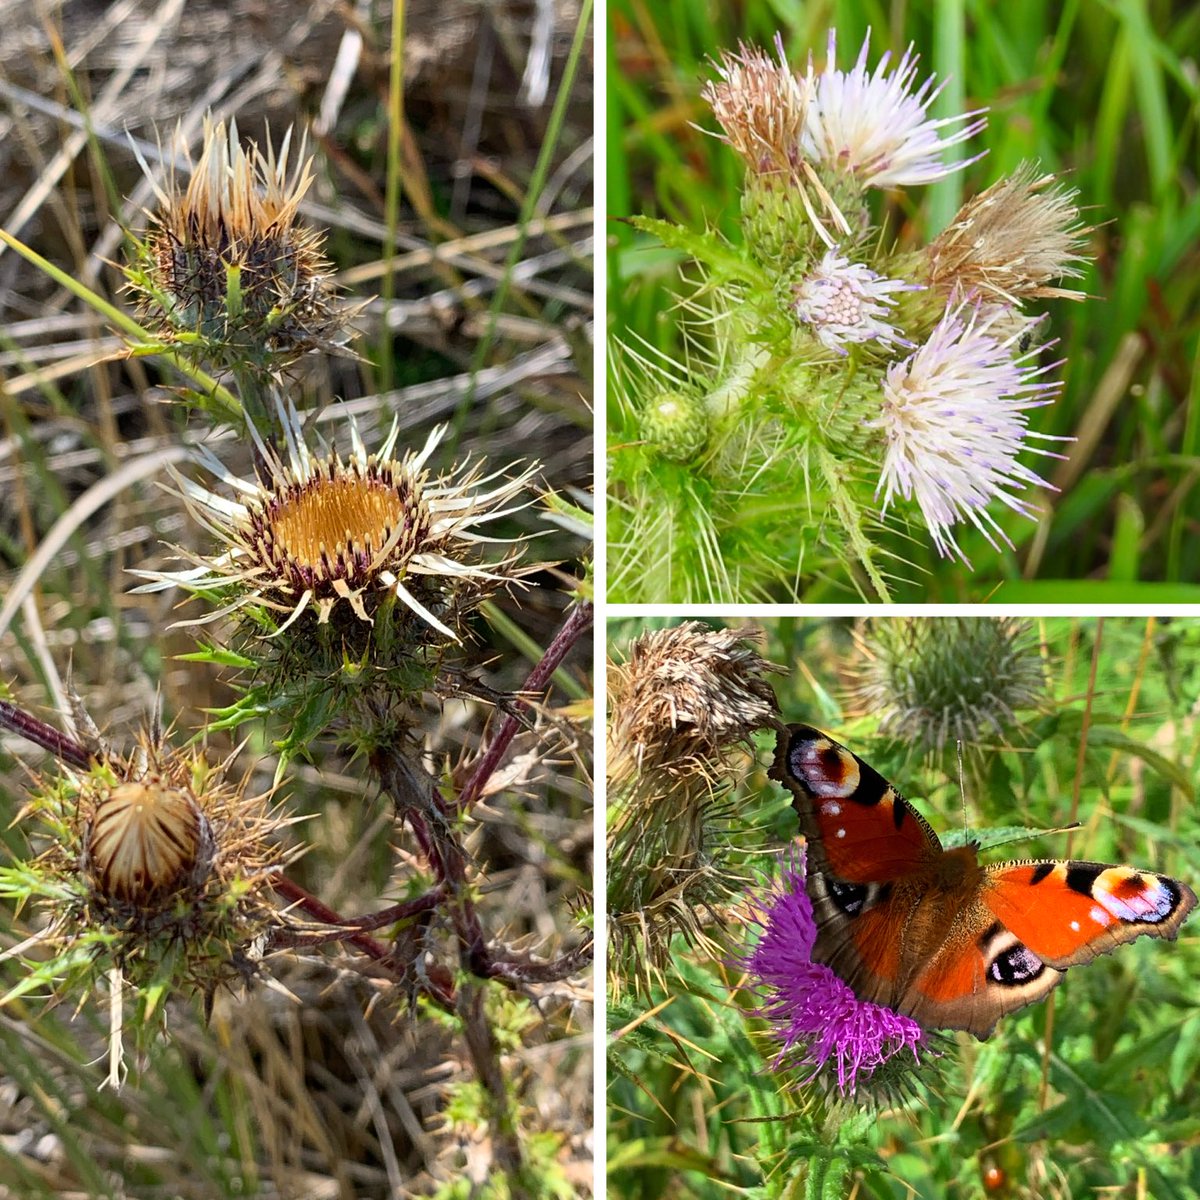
<point>1010,241</point>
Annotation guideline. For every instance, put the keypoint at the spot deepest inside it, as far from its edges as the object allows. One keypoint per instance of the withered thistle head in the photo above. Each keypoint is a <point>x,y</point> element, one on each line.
<point>684,705</point>
<point>686,696</point>
<point>226,261</point>
<point>761,106</point>
<point>1010,241</point>
<point>936,681</point>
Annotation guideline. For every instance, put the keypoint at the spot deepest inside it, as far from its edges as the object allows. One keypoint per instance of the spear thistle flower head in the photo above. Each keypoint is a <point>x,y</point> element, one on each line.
<point>314,529</point>
<point>875,128</point>
<point>821,1026</point>
<point>954,416</point>
<point>847,302</point>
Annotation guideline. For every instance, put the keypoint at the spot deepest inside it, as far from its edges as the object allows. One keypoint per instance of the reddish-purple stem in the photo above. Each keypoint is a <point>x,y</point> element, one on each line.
<point>577,624</point>
<point>65,749</point>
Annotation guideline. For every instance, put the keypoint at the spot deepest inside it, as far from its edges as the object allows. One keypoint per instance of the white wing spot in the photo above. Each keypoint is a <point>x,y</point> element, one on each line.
<point>1075,926</point>
<point>840,833</point>
<point>1100,916</point>
<point>831,808</point>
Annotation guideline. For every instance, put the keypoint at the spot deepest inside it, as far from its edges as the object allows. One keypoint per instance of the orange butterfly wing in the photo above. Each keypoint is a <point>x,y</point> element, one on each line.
<point>930,932</point>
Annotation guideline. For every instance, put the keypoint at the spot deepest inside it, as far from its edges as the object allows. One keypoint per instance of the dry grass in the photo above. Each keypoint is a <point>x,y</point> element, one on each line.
<point>332,1088</point>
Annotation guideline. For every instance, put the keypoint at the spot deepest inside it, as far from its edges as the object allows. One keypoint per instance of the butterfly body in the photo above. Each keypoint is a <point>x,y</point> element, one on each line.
<point>933,933</point>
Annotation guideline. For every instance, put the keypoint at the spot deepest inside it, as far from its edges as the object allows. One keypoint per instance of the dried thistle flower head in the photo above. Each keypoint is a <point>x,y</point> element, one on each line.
<point>683,704</point>
<point>316,529</point>
<point>1008,242</point>
<point>226,261</point>
<point>936,681</point>
<point>687,694</point>
<point>762,107</point>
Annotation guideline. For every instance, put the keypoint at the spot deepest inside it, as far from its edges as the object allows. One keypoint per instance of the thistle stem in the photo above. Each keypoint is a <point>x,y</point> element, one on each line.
<point>32,729</point>
<point>577,623</point>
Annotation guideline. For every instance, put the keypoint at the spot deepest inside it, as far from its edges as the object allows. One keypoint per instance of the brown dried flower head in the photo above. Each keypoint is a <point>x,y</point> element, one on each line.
<point>687,693</point>
<point>1008,242</point>
<point>226,259</point>
<point>144,839</point>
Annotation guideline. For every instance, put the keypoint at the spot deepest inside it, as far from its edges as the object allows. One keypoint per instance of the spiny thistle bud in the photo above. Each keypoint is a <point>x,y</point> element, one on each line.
<point>143,839</point>
<point>158,876</point>
<point>225,261</point>
<point>683,708</point>
<point>1008,242</point>
<point>936,681</point>
<point>676,424</point>
<point>322,532</point>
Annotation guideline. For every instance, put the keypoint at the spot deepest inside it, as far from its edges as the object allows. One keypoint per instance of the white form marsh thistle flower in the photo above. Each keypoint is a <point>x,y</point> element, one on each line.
<point>875,128</point>
<point>316,529</point>
<point>847,302</point>
<point>954,416</point>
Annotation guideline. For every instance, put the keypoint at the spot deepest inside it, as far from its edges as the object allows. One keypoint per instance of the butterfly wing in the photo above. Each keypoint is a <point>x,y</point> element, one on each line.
<point>929,932</point>
<point>1069,912</point>
<point>867,851</point>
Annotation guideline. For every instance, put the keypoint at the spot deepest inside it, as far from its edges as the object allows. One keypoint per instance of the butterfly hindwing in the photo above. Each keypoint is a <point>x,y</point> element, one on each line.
<point>931,933</point>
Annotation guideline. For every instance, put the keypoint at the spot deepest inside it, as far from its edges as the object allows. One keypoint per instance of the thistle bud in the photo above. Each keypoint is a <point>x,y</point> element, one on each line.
<point>143,840</point>
<point>676,424</point>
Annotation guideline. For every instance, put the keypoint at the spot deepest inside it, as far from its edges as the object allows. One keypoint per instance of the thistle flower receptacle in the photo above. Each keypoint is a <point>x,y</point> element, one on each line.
<point>226,262</point>
<point>846,302</point>
<point>315,530</point>
<point>1010,241</point>
<point>848,1046</point>
<point>874,129</point>
<point>954,419</point>
<point>935,682</point>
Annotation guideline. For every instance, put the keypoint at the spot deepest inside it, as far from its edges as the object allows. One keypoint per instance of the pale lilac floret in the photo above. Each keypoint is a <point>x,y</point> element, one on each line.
<point>954,415</point>
<point>847,302</point>
<point>875,128</point>
<point>819,1022</point>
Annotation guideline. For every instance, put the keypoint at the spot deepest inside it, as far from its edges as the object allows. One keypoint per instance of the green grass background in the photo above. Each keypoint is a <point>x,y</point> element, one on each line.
<point>1106,93</point>
<point>1110,1107</point>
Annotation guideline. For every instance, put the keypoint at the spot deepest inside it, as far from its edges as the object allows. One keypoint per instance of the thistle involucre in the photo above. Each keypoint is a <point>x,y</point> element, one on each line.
<point>224,257</point>
<point>316,530</point>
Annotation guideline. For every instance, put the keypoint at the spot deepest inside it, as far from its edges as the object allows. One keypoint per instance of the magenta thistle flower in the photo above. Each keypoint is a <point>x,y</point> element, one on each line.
<point>821,1025</point>
<point>847,302</point>
<point>955,418</point>
<point>875,127</point>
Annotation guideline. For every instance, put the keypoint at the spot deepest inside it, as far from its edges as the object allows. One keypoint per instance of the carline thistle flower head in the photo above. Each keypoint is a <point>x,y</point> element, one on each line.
<point>821,1026</point>
<point>954,419</point>
<point>314,529</point>
<point>225,258</point>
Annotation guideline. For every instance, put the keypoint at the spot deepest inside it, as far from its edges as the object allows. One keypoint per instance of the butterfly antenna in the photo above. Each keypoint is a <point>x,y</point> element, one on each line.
<point>962,785</point>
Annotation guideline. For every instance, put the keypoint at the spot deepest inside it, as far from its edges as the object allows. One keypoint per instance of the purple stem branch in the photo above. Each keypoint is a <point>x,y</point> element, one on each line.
<point>576,624</point>
<point>64,748</point>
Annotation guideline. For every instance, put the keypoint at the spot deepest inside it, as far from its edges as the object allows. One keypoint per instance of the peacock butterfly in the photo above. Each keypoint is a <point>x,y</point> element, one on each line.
<point>932,933</point>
